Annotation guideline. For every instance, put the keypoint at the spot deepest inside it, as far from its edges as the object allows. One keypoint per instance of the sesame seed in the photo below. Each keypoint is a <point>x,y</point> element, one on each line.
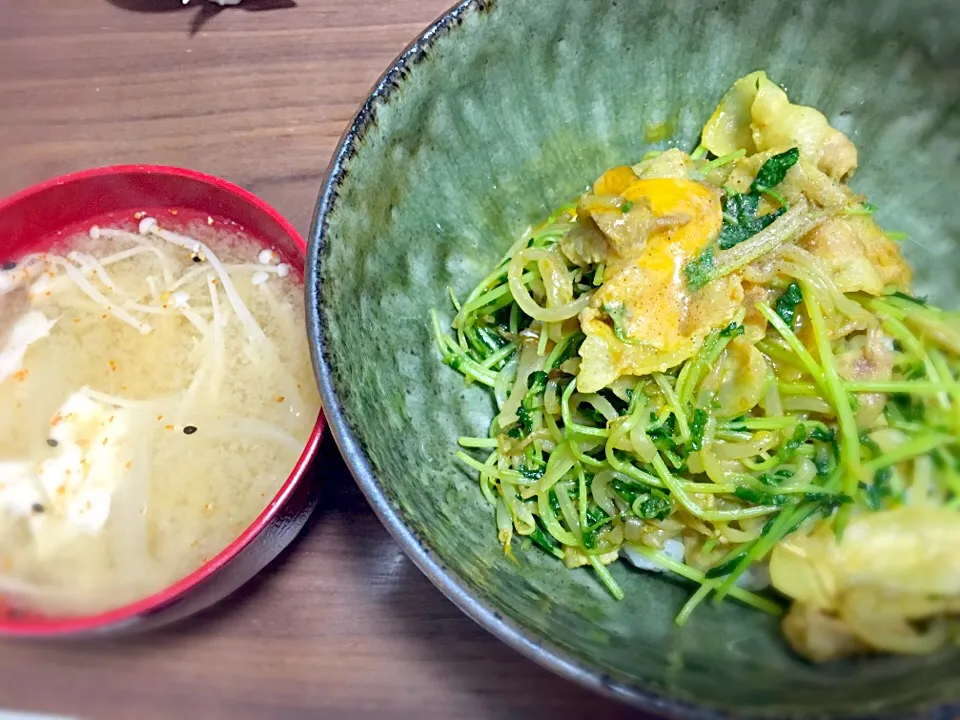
<point>51,442</point>
<point>189,430</point>
<point>37,508</point>
<point>9,265</point>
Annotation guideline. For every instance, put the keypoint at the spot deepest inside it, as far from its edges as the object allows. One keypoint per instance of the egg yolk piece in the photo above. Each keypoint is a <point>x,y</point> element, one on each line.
<point>644,319</point>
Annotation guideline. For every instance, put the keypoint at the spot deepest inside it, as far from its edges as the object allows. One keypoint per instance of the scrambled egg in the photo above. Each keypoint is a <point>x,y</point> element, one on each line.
<point>71,492</point>
<point>644,319</point>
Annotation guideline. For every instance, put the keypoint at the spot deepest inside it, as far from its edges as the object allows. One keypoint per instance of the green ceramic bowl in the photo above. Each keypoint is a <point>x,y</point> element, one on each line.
<point>496,114</point>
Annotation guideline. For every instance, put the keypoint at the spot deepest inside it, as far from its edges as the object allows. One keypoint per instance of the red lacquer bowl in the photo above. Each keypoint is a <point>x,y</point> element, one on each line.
<point>40,216</point>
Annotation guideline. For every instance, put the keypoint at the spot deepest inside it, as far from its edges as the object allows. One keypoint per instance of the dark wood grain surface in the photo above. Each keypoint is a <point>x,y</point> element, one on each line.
<point>342,625</point>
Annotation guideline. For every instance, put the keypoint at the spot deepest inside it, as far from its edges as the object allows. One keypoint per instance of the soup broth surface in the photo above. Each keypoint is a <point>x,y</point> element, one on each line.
<point>155,393</point>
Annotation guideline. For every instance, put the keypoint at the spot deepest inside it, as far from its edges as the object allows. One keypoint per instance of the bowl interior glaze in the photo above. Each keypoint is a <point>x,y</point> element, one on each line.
<point>499,113</point>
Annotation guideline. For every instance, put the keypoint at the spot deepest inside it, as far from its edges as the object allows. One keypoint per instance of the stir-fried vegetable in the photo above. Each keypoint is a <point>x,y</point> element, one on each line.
<point>709,365</point>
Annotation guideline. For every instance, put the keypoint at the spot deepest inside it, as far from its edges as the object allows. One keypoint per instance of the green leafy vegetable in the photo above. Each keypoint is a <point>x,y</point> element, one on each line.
<point>911,409</point>
<point>536,383</point>
<point>697,425</point>
<point>822,462</point>
<point>786,305</point>
<point>774,170</point>
<point>627,491</point>
<point>698,271</point>
<point>790,447</point>
<point>775,478</point>
<point>725,568</point>
<point>545,541</point>
<point>877,492</point>
<point>531,473</point>
<point>823,434</point>
<point>760,498</point>
<point>655,507</point>
<point>732,330</point>
<point>909,298</point>
<point>740,218</point>
<point>626,207</point>
<point>619,314</point>
<point>524,419</point>
<point>596,520</point>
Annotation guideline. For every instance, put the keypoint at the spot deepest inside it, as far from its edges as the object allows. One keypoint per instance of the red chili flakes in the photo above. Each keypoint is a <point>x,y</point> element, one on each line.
<point>279,399</point>
<point>110,419</point>
<point>168,427</point>
<point>113,365</point>
<point>105,441</point>
<point>62,490</point>
<point>48,293</point>
<point>139,215</point>
<point>129,464</point>
<point>173,212</point>
<point>21,375</point>
<point>159,417</point>
<point>76,320</point>
<point>57,419</point>
<point>103,317</point>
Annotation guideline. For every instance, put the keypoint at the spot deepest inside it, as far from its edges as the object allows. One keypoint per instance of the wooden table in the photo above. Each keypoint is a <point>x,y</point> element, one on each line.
<point>343,625</point>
